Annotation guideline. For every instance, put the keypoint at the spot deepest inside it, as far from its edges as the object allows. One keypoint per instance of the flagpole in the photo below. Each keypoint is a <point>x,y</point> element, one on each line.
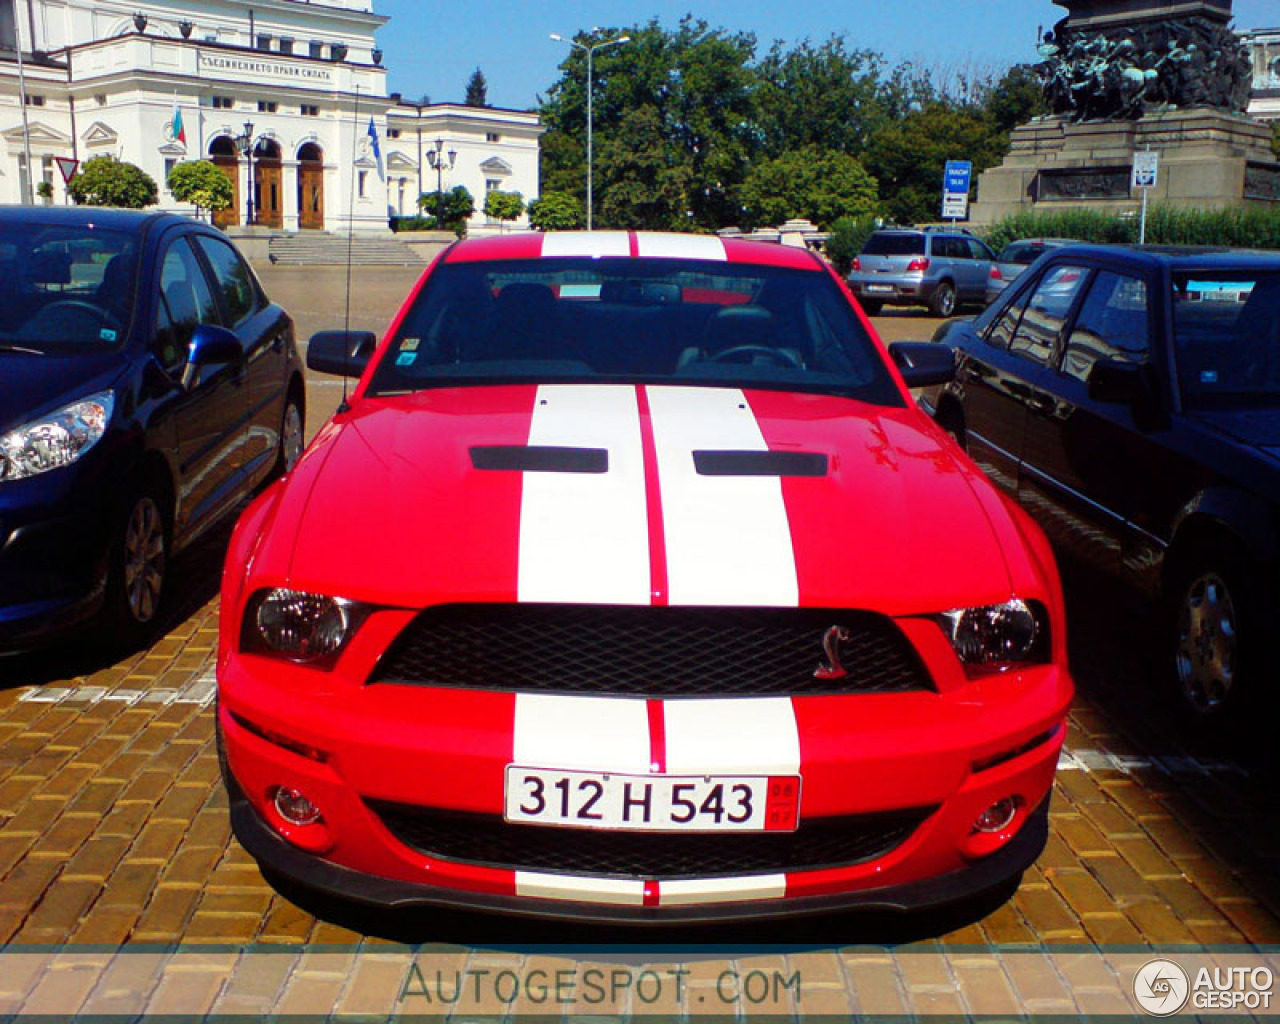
<point>30,198</point>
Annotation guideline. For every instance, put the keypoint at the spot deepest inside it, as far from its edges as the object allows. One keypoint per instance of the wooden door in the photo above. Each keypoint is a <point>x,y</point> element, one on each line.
<point>311,195</point>
<point>229,217</point>
<point>270,209</point>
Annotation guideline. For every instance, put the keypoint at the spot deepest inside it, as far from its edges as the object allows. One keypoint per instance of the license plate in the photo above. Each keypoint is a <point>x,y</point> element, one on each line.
<point>653,803</point>
<point>878,287</point>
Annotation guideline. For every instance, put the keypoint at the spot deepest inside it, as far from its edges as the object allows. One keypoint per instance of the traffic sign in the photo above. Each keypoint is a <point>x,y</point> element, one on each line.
<point>955,207</point>
<point>1146,166</point>
<point>955,189</point>
<point>68,167</point>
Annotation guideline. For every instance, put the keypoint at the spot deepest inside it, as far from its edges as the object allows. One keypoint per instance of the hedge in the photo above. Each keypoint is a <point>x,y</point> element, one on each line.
<point>1253,228</point>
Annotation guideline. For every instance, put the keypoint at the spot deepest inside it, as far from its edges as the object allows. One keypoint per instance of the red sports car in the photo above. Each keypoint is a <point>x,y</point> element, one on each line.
<point>631,585</point>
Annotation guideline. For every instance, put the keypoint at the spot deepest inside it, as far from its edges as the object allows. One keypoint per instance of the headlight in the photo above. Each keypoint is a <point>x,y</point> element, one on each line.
<point>56,439</point>
<point>311,629</point>
<point>999,635</point>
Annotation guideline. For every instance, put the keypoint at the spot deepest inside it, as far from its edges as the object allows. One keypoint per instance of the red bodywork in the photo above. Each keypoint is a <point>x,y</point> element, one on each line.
<point>386,509</point>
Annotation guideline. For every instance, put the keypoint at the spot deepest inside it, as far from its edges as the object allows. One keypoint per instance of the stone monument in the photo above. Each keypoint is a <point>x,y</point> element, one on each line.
<point>1122,76</point>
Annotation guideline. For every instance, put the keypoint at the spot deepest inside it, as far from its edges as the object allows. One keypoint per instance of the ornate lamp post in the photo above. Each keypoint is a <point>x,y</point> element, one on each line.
<point>590,51</point>
<point>245,142</point>
<point>435,157</point>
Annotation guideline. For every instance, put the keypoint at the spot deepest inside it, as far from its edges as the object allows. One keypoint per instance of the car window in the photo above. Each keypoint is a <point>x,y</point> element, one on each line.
<point>235,280</point>
<point>978,250</point>
<point>1227,336</point>
<point>1046,312</point>
<point>949,248</point>
<point>1004,324</point>
<point>894,245</point>
<point>658,320</point>
<point>1112,324</point>
<point>185,301</point>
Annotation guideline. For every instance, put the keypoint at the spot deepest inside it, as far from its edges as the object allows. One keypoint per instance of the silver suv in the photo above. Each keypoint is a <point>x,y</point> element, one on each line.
<point>935,267</point>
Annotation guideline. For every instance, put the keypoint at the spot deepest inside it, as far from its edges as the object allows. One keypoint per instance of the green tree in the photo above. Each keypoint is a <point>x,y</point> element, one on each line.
<point>449,210</point>
<point>562,164</point>
<point>907,158</point>
<point>106,181</point>
<point>845,241</point>
<point>503,206</point>
<point>1016,98</point>
<point>556,211</point>
<point>202,184</point>
<point>821,185</point>
<point>477,90</point>
<point>1275,137</point>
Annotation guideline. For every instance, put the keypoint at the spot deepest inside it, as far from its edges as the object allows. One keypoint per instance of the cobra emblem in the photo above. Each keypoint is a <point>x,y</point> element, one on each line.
<point>831,667</point>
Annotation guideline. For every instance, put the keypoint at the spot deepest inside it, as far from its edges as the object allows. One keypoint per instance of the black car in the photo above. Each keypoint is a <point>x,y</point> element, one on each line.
<point>1130,398</point>
<point>147,384</point>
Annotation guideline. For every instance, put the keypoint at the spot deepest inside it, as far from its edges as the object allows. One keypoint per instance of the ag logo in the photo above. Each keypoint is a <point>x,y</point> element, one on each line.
<point>1161,987</point>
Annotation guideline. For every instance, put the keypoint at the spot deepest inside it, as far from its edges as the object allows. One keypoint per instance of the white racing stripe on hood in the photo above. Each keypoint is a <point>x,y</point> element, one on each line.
<point>728,539</point>
<point>584,537</point>
<point>744,736</point>
<point>585,733</point>
<point>586,243</point>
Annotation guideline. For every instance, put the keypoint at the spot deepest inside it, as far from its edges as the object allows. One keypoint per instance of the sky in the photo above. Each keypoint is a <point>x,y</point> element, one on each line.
<point>433,46</point>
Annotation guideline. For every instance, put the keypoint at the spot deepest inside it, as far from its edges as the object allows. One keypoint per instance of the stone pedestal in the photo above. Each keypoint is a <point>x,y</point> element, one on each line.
<point>1209,159</point>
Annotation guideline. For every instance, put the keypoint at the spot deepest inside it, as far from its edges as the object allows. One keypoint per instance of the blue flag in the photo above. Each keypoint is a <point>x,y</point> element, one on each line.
<point>373,141</point>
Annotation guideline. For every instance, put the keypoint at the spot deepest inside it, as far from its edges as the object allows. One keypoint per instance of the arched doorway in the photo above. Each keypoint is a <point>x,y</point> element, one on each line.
<point>222,151</point>
<point>267,176</point>
<point>311,187</point>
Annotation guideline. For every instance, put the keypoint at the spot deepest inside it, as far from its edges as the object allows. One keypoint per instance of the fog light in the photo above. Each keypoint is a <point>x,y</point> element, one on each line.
<point>295,808</point>
<point>998,817</point>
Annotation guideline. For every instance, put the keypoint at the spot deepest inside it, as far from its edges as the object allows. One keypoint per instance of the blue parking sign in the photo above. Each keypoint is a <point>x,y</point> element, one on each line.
<point>956,177</point>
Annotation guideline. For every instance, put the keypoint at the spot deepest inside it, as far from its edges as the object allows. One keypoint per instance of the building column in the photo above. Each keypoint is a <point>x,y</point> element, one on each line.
<point>289,182</point>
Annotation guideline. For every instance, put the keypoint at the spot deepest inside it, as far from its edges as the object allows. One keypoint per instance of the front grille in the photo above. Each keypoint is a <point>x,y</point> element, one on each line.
<point>488,840</point>
<point>649,652</point>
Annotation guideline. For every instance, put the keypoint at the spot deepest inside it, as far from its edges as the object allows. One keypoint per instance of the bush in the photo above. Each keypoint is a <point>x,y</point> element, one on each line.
<point>556,211</point>
<point>106,181</point>
<point>456,204</point>
<point>202,184</point>
<point>413,223</point>
<point>846,239</point>
<point>503,206</point>
<point>1253,227</point>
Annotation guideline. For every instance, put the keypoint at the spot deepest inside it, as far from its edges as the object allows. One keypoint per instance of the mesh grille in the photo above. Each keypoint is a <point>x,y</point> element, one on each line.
<point>487,840</point>
<point>654,652</point>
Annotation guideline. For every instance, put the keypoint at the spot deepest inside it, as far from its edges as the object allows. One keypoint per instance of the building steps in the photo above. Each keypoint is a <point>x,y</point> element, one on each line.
<point>311,250</point>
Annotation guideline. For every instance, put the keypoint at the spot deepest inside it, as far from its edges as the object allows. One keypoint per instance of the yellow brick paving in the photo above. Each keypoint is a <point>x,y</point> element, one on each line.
<point>114,830</point>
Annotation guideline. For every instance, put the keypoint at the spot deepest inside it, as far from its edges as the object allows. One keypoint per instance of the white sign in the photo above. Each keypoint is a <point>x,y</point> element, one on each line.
<point>956,206</point>
<point>1145,169</point>
<point>224,66</point>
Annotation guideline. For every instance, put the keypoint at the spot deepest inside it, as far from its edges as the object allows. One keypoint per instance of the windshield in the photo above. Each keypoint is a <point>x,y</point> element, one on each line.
<point>1227,336</point>
<point>906,244</point>
<point>589,320</point>
<point>64,287</point>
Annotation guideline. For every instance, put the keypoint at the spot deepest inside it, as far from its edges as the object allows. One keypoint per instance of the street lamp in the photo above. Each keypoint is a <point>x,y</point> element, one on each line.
<point>590,51</point>
<point>435,157</point>
<point>418,107</point>
<point>246,146</point>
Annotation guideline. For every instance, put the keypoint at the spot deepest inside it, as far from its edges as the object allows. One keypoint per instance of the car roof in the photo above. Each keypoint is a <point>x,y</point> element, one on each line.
<point>81,216</point>
<point>1176,257</point>
<point>589,245</point>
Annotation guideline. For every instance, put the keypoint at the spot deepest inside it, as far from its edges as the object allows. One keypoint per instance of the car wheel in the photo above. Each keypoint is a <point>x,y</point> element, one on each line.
<point>291,436</point>
<point>1212,619</point>
<point>872,307</point>
<point>139,563</point>
<point>943,300</point>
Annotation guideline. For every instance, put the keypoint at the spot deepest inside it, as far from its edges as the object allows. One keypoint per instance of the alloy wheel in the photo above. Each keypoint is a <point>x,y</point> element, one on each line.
<point>1208,643</point>
<point>291,436</point>
<point>144,560</point>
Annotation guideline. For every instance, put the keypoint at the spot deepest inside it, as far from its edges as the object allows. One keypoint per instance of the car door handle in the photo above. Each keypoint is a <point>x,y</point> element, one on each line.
<point>970,372</point>
<point>1042,402</point>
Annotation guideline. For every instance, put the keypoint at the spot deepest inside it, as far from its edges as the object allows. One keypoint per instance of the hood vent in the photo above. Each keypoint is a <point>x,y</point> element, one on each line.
<point>731,463</point>
<point>540,458</point>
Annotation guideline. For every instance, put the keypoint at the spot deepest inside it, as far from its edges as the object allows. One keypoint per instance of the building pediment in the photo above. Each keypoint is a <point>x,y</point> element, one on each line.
<point>366,162</point>
<point>496,165</point>
<point>40,135</point>
<point>400,162</point>
<point>173,149</point>
<point>99,134</point>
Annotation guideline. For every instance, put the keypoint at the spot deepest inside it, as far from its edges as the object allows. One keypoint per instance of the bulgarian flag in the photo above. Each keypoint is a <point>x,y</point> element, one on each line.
<point>178,133</point>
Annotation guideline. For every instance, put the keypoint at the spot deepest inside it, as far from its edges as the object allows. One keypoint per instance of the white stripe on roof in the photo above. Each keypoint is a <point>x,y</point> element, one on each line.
<point>586,243</point>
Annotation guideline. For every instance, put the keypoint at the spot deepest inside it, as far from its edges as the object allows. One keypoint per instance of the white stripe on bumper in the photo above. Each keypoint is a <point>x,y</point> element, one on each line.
<point>582,889</point>
<point>747,736</point>
<point>587,733</point>
<point>721,890</point>
<point>728,539</point>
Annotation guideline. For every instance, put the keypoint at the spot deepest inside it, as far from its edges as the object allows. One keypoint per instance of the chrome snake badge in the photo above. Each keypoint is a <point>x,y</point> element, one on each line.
<point>831,641</point>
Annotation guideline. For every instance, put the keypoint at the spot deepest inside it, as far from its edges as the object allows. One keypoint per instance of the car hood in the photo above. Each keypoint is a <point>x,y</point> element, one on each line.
<point>32,385</point>
<point>637,495</point>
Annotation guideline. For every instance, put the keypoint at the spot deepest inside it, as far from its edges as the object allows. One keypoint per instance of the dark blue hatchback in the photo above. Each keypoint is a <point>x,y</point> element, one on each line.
<point>147,384</point>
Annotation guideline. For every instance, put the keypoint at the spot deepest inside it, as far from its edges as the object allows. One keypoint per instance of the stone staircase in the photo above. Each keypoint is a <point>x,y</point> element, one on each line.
<point>315,249</point>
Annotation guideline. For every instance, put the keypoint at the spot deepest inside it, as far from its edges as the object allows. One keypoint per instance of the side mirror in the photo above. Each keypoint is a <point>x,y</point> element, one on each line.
<point>1111,380</point>
<point>210,346</point>
<point>922,363</point>
<point>341,353</point>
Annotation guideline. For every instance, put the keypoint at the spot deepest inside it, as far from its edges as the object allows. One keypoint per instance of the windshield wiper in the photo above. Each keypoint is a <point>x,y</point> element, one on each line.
<point>10,347</point>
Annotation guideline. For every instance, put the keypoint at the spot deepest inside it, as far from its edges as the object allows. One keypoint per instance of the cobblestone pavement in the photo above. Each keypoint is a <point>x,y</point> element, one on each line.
<point>113,822</point>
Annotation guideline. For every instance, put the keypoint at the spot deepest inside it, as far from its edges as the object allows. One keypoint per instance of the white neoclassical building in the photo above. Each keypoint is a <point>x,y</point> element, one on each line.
<point>299,79</point>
